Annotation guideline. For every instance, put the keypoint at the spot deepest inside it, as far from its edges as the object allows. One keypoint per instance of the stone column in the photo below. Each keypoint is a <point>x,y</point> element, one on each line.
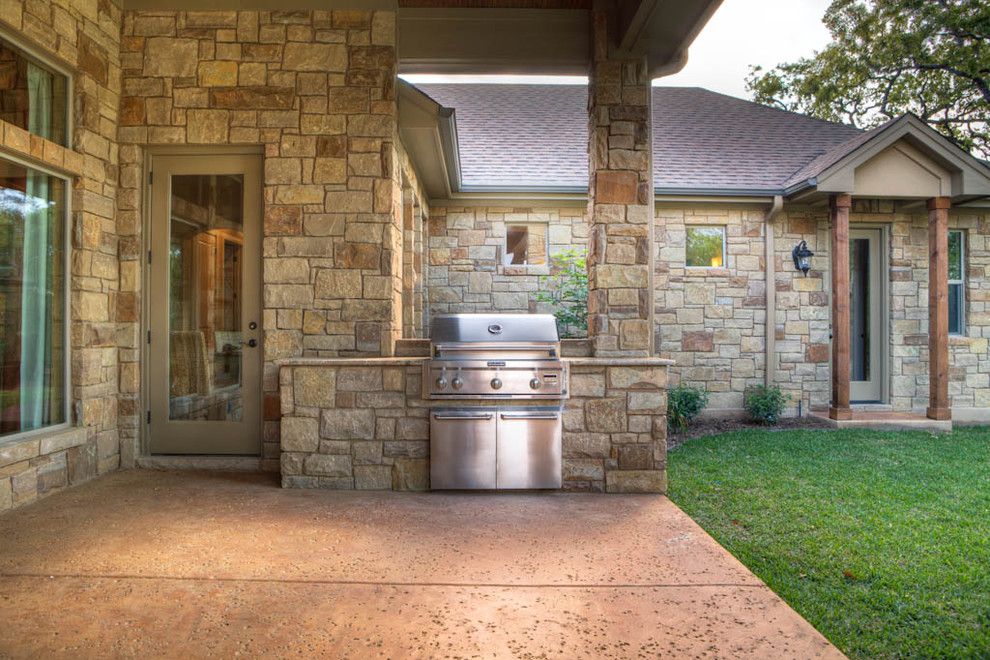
<point>938,308</point>
<point>839,206</point>
<point>620,201</point>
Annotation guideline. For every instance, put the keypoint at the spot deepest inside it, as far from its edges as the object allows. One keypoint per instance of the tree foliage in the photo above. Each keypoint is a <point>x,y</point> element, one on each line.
<point>566,291</point>
<point>889,57</point>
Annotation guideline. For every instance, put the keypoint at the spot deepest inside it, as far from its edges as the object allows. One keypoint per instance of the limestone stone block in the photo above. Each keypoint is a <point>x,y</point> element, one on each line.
<point>169,57</point>
<point>218,74</point>
<point>314,387</point>
<point>323,465</point>
<point>286,271</point>
<point>636,481</point>
<point>366,453</point>
<point>583,469</point>
<point>291,463</point>
<point>314,57</point>
<point>588,385</point>
<point>373,477</point>
<point>347,424</point>
<point>330,170</point>
<point>637,377</point>
<point>586,445</point>
<point>207,126</point>
<point>635,457</point>
<point>411,474</point>
<point>6,494</point>
<point>646,401</point>
<point>409,428</point>
<point>608,276</point>
<point>338,284</point>
<point>407,449</point>
<point>606,415</point>
<point>359,379</point>
<point>18,451</point>
<point>300,434</point>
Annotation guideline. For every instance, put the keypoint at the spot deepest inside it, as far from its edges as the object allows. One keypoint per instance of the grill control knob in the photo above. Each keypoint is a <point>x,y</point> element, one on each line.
<point>535,383</point>
<point>457,383</point>
<point>441,383</point>
<point>496,383</point>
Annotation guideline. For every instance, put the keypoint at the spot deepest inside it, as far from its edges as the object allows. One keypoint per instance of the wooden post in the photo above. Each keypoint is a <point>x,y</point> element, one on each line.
<point>938,308</point>
<point>839,206</point>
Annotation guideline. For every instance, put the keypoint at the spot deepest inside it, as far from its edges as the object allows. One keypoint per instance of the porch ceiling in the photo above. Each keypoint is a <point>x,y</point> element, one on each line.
<point>541,36</point>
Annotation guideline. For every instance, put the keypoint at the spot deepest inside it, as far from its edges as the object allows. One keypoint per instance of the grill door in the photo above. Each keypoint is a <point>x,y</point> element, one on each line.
<point>529,449</point>
<point>462,449</point>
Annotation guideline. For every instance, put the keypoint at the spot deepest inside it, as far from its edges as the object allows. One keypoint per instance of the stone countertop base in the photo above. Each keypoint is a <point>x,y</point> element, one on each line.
<point>362,424</point>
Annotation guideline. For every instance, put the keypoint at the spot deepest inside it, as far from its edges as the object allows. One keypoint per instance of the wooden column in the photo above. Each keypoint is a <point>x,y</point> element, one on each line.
<point>839,206</point>
<point>938,308</point>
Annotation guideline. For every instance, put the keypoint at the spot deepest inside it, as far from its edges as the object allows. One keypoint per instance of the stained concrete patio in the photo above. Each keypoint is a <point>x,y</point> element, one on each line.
<point>146,563</point>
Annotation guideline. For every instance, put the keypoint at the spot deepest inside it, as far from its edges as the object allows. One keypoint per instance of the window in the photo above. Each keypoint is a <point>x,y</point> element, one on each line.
<point>957,283</point>
<point>32,299</point>
<point>526,245</point>
<point>33,95</point>
<point>705,247</point>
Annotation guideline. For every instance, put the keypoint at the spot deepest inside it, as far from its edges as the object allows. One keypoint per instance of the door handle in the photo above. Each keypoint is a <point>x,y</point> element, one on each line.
<point>529,415</point>
<point>252,343</point>
<point>451,416</point>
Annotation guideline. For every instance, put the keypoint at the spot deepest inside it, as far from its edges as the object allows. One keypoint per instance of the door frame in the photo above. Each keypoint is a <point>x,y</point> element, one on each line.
<point>150,152</point>
<point>885,344</point>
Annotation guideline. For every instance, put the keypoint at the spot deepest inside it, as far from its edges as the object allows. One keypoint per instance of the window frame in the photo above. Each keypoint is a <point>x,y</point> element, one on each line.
<point>66,306</point>
<point>546,245</point>
<point>961,332</point>
<point>725,247</point>
<point>46,62</point>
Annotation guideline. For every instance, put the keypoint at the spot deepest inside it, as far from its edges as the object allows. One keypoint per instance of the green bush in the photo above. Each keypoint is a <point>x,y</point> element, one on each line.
<point>566,290</point>
<point>684,403</point>
<point>764,404</point>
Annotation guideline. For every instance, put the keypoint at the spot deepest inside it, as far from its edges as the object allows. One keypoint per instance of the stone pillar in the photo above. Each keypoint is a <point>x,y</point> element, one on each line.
<point>620,201</point>
<point>938,308</point>
<point>839,210</point>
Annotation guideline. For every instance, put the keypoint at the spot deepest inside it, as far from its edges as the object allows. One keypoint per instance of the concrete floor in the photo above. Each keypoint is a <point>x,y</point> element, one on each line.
<point>145,563</point>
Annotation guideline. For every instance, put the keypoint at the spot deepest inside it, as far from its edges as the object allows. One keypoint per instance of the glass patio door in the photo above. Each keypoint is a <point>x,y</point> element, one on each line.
<point>204,335</point>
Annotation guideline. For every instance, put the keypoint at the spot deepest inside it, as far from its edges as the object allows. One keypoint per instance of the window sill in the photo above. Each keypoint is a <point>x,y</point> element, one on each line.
<point>21,144</point>
<point>25,446</point>
<point>526,270</point>
<point>701,271</point>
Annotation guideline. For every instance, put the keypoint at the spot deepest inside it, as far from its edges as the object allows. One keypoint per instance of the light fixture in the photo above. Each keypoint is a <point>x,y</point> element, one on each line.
<point>802,257</point>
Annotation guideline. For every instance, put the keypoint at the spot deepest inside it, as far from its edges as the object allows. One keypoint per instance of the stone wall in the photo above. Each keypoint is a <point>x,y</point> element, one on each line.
<point>711,321</point>
<point>317,90</point>
<point>81,36</point>
<point>466,249</point>
<point>364,425</point>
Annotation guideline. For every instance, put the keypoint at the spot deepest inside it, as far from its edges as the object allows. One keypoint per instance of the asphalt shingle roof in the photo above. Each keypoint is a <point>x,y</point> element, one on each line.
<point>531,136</point>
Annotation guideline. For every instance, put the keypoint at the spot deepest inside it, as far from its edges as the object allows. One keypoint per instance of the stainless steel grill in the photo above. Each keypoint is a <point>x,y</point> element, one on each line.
<point>510,360</point>
<point>488,356</point>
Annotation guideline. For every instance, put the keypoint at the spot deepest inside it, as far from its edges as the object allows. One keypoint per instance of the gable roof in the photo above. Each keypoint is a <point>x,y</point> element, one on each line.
<point>518,137</point>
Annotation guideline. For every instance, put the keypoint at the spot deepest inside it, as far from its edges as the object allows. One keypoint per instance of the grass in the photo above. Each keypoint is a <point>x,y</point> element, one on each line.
<point>880,539</point>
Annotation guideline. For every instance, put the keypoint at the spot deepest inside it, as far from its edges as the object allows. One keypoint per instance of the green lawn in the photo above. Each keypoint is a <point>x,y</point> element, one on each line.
<point>880,539</point>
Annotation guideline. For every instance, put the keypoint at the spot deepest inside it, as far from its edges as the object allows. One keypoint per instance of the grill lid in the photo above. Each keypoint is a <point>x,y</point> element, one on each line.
<point>494,328</point>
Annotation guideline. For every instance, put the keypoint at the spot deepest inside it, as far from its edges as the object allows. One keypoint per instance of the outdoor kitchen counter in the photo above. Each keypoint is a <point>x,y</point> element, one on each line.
<point>362,423</point>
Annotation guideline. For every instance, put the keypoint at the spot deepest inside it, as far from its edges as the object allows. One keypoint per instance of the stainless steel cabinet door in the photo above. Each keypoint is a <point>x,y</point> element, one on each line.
<point>529,449</point>
<point>462,449</point>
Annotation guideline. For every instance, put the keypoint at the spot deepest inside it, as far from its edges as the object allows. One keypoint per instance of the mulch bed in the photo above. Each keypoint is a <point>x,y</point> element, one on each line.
<point>704,427</point>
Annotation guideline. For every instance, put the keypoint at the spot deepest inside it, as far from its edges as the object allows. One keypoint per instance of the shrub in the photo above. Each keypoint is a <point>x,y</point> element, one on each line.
<point>566,291</point>
<point>684,403</point>
<point>764,404</point>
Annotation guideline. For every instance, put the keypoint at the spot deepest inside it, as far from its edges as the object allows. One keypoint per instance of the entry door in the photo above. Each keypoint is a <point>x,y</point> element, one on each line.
<point>204,342</point>
<point>867,307</point>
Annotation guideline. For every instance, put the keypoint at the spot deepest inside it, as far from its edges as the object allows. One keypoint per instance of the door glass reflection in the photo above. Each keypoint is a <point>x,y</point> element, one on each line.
<point>859,309</point>
<point>206,245</point>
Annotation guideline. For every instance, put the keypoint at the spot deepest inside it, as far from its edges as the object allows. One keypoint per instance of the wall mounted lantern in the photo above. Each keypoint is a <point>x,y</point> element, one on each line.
<point>802,257</point>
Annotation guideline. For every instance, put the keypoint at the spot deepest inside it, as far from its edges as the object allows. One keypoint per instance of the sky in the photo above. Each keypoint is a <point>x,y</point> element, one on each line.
<point>742,32</point>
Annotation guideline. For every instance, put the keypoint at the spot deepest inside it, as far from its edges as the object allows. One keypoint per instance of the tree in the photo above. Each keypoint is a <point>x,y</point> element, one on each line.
<point>889,57</point>
<point>566,291</point>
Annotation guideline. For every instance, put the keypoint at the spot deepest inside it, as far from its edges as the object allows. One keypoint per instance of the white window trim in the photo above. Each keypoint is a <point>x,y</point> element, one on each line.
<point>725,247</point>
<point>42,59</point>
<point>961,282</point>
<point>546,245</point>
<point>67,308</point>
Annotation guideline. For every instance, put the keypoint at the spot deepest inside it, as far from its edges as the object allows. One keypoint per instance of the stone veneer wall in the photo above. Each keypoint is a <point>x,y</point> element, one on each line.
<point>317,90</point>
<point>365,425</point>
<point>83,37</point>
<point>466,248</point>
<point>711,321</point>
